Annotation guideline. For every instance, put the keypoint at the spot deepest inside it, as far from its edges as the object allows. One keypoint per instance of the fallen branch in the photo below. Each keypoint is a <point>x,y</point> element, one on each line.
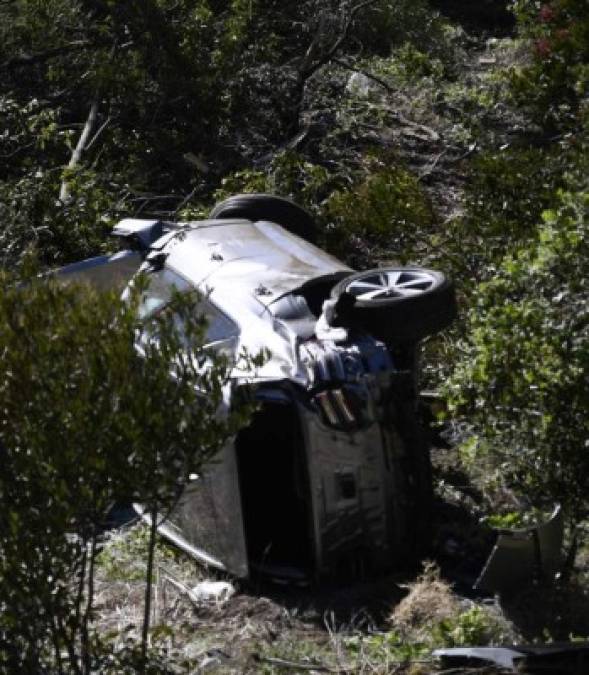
<point>182,588</point>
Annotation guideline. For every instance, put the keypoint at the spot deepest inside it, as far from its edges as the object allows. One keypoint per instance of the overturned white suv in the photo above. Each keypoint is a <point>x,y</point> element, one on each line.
<point>332,476</point>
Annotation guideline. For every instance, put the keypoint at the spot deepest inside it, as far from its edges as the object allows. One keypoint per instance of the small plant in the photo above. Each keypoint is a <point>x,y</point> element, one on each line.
<point>432,616</point>
<point>123,555</point>
<point>474,626</point>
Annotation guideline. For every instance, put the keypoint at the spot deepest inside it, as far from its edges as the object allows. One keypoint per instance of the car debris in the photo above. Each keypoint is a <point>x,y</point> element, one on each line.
<point>212,591</point>
<point>525,554</point>
<point>332,477</point>
<point>567,658</point>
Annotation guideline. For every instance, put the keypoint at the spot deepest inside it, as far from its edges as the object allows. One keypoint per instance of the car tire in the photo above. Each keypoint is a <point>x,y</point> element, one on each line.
<point>278,210</point>
<point>397,304</point>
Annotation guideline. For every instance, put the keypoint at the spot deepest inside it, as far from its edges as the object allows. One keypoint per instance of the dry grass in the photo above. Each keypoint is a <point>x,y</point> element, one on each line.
<point>217,636</point>
<point>430,600</point>
<point>253,634</point>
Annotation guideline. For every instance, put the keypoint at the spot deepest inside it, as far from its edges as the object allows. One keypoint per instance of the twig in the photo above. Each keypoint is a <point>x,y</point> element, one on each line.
<point>97,134</point>
<point>471,149</point>
<point>180,587</point>
<point>185,201</point>
<point>430,169</point>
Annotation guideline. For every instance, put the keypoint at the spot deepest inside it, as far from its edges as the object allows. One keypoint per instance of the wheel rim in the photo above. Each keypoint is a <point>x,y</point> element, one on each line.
<point>391,284</point>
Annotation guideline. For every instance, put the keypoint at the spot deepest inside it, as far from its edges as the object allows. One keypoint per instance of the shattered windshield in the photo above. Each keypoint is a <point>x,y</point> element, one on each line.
<point>221,333</point>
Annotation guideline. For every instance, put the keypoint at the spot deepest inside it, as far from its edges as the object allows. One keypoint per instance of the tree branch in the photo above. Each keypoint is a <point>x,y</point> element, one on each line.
<point>64,192</point>
<point>308,68</point>
<point>331,52</point>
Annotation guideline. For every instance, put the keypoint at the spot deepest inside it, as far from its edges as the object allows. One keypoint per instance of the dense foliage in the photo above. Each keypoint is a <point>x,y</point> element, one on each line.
<point>408,139</point>
<point>88,421</point>
<point>172,96</point>
<point>523,377</point>
<point>555,85</point>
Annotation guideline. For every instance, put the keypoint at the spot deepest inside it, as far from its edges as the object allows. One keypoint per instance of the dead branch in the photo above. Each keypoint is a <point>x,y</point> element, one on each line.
<point>309,68</point>
<point>64,192</point>
<point>425,173</point>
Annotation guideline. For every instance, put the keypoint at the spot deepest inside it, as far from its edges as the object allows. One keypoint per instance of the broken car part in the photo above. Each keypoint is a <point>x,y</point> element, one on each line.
<point>570,658</point>
<point>523,555</point>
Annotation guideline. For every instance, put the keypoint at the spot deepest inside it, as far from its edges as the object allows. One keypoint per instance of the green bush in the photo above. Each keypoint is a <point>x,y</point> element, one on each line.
<point>505,196</point>
<point>388,208</point>
<point>522,380</point>
<point>555,85</point>
<point>87,421</point>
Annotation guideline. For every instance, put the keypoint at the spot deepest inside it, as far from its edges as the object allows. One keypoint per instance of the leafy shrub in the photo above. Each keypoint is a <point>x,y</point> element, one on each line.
<point>523,378</point>
<point>506,193</point>
<point>386,209</point>
<point>412,64</point>
<point>87,421</point>
<point>505,197</point>
<point>473,626</point>
<point>408,22</point>
<point>556,83</point>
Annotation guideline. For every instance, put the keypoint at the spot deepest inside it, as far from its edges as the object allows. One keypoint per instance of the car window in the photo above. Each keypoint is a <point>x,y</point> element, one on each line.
<point>161,285</point>
<point>221,333</point>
